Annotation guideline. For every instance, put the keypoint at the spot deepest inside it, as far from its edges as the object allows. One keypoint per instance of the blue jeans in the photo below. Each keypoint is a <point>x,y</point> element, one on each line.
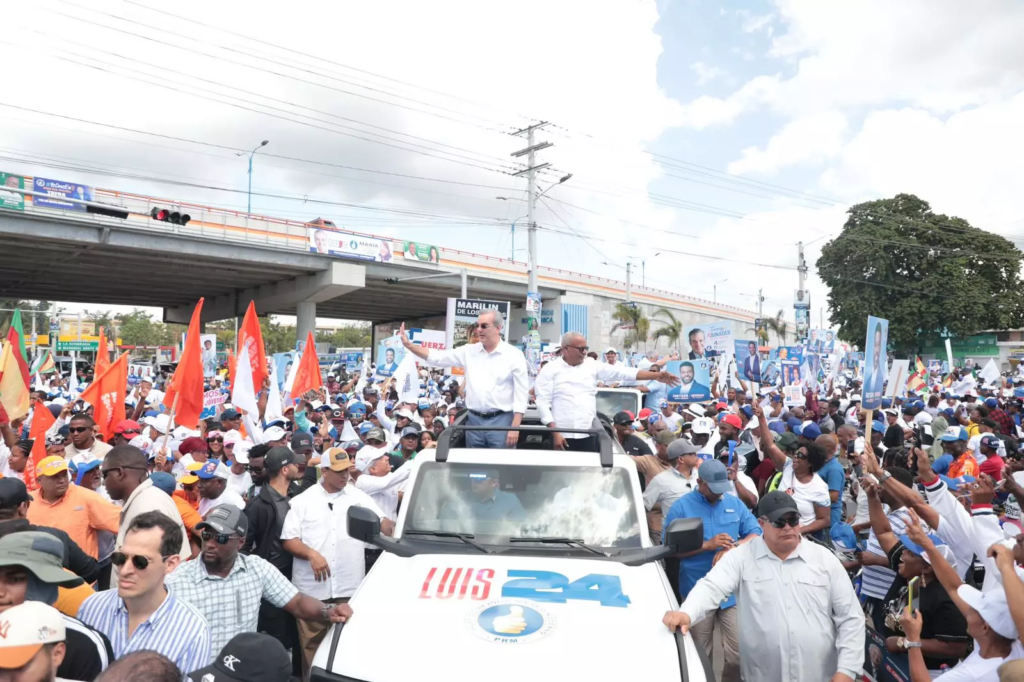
<point>488,439</point>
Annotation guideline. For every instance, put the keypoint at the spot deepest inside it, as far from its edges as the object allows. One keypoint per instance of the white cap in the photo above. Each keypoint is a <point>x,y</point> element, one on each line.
<point>855,398</point>
<point>315,404</point>
<point>160,422</point>
<point>992,607</point>
<point>404,412</point>
<point>367,455</point>
<point>232,437</point>
<point>142,443</point>
<point>274,433</point>
<point>611,350</point>
<point>240,455</point>
<point>26,628</point>
<point>703,425</point>
<point>181,433</point>
<point>696,410</point>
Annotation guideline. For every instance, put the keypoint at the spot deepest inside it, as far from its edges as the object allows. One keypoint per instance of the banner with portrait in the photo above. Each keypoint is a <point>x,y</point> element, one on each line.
<point>695,381</point>
<point>708,340</point>
<point>875,362</point>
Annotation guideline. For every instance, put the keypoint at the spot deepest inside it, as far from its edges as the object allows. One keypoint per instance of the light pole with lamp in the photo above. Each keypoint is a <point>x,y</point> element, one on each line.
<point>261,144</point>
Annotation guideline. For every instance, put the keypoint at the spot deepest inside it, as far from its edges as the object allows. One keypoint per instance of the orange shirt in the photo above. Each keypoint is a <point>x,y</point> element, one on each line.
<point>182,495</point>
<point>189,516</point>
<point>964,465</point>
<point>69,599</point>
<point>80,513</point>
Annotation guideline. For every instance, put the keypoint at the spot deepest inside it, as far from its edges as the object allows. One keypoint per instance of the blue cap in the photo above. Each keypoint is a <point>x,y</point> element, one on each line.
<point>886,402</point>
<point>793,423</point>
<point>878,426</point>
<point>747,410</point>
<point>389,405</point>
<point>364,427</point>
<point>955,483</point>
<point>918,549</point>
<point>662,404</point>
<point>357,408</point>
<point>951,435</point>
<point>164,481</point>
<point>84,468</point>
<point>991,402</point>
<point>810,432</point>
<point>1018,393</point>
<point>918,404</point>
<point>776,398</point>
<point>422,405</point>
<point>777,426</point>
<point>845,538</point>
<point>353,444</point>
<point>715,476</point>
<point>653,418</point>
<point>209,470</point>
<point>948,412</point>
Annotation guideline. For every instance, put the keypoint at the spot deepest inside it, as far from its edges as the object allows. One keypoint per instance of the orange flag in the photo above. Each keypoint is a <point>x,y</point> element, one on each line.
<point>231,367</point>
<point>42,420</point>
<point>307,376</point>
<point>106,395</point>
<point>187,383</point>
<point>102,354</point>
<point>250,334</point>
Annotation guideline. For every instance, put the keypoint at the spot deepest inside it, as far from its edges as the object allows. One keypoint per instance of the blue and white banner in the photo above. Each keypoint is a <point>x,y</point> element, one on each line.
<point>57,192</point>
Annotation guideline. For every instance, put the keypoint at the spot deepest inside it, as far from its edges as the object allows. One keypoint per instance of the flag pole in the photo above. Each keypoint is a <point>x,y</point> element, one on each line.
<point>170,423</point>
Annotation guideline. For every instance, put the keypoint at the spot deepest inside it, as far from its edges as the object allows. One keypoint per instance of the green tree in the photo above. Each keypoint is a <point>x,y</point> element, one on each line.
<point>277,338</point>
<point>632,319</point>
<point>40,310</point>
<point>671,329</point>
<point>350,336</point>
<point>926,273</point>
<point>138,328</point>
<point>778,325</point>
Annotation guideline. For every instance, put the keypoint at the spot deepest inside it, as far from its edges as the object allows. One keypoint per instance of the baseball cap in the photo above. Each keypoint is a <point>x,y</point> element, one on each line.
<point>610,350</point>
<point>273,433</point>
<point>990,441</point>
<point>787,441</point>
<point>40,553</point>
<point>879,426</point>
<point>163,481</point>
<point>337,414</point>
<point>716,476</point>
<point>958,482</point>
<point>233,436</point>
<point>376,433</point>
<point>777,426</point>
<point>662,404</point>
<point>240,455</point>
<point>278,457</point>
<point>776,504</point>
<point>356,408</point>
<point>367,456</point>
<point>732,420</point>
<point>160,422</point>
<point>301,440</point>
<point>365,427</point>
<point>403,413</point>
<point>703,425</point>
<point>721,405</point>
<point>191,469</point>
<point>845,538</point>
<point>992,607</point>
<point>945,550</point>
<point>644,413</point>
<point>747,410</point>
<point>336,459</point>
<point>127,425</point>
<point>810,431</point>
<point>679,447</point>
<point>991,402</point>
<point>227,518</point>
<point>12,493</point>
<point>952,435</point>
<point>410,431</point>
<point>248,657</point>
<point>697,410</point>
<point>27,627</point>
<point>793,423</point>
<point>664,437</point>
<point>229,413</point>
<point>51,466</point>
<point>213,469</point>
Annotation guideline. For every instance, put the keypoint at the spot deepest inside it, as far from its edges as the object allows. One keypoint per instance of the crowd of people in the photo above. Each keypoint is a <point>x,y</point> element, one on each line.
<point>169,553</point>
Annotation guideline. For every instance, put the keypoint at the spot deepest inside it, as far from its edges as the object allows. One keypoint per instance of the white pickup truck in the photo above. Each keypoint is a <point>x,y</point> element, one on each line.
<point>542,551</point>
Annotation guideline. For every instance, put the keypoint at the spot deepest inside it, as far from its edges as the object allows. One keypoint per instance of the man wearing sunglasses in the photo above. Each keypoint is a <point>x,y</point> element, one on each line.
<point>81,428</point>
<point>801,617</point>
<point>227,586</point>
<point>567,388</point>
<point>125,430</point>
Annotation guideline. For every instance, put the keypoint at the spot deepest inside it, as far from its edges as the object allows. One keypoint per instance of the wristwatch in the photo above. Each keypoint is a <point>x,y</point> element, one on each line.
<point>903,643</point>
<point>325,610</point>
<point>884,477</point>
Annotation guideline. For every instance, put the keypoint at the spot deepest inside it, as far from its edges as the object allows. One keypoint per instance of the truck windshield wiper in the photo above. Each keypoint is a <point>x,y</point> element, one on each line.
<point>465,537</point>
<point>562,541</point>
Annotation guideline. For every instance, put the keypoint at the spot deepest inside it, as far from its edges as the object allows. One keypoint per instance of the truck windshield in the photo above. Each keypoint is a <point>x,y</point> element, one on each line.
<point>497,502</point>
<point>610,402</point>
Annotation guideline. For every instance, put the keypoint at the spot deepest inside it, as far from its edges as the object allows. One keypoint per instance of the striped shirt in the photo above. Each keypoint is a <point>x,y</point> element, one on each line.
<point>876,580</point>
<point>176,629</point>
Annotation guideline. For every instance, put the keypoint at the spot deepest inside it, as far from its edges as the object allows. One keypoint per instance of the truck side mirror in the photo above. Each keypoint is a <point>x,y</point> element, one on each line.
<point>364,525</point>
<point>684,535</point>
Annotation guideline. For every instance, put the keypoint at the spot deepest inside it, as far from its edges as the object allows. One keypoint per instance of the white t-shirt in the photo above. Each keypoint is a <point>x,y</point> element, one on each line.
<point>974,668</point>
<point>806,495</point>
<point>227,497</point>
<point>239,483</point>
<point>745,481</point>
<point>674,419</point>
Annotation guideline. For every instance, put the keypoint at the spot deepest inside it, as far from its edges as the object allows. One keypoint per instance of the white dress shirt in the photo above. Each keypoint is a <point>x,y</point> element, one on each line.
<point>384,489</point>
<point>320,520</point>
<point>566,394</point>
<point>229,496</point>
<point>495,381</point>
<point>667,487</point>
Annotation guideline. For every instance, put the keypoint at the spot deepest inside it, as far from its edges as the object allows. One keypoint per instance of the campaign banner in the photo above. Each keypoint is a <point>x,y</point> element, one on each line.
<point>793,396</point>
<point>214,398</point>
<point>695,377</point>
<point>811,371</point>
<point>794,353</point>
<point>390,353</point>
<point>462,314</point>
<point>283,364</point>
<point>137,373</point>
<point>822,341</point>
<point>934,366</point>
<point>896,384</point>
<point>421,252</point>
<point>348,245</point>
<point>748,361</point>
<point>790,372</point>
<point>879,664</point>
<point>708,340</point>
<point>876,362</point>
<point>12,201</point>
<point>55,194</point>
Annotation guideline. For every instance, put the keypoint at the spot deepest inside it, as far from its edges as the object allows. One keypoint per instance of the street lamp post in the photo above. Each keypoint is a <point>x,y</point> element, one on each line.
<point>261,144</point>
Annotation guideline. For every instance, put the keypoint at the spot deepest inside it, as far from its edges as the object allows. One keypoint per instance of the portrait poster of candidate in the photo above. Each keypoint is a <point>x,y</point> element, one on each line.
<point>695,381</point>
<point>748,361</point>
<point>390,352</point>
<point>875,362</point>
<point>283,362</point>
<point>708,340</point>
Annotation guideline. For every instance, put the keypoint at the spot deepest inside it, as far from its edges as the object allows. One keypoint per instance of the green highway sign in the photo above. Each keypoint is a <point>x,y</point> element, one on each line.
<point>77,345</point>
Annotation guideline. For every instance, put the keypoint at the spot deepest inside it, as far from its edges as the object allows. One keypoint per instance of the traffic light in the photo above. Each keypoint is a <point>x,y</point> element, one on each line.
<point>166,215</point>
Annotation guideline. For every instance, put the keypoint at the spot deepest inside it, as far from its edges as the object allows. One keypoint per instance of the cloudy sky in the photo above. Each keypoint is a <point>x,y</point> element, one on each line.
<point>705,139</point>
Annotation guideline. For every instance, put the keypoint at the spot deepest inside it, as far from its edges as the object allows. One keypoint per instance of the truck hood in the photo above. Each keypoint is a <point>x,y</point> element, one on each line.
<point>461,615</point>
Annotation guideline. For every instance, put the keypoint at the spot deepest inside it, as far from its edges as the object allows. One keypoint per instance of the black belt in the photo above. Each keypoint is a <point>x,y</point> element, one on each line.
<point>487,415</point>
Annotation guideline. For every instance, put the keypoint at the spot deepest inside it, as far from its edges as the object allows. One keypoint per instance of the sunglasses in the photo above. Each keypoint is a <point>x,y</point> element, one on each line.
<point>255,470</point>
<point>79,429</point>
<point>140,562</point>
<point>106,472</point>
<point>582,349</point>
<point>791,521</point>
<point>216,439</point>
<point>222,538</point>
<point>484,325</point>
<point>799,455</point>
<point>135,431</point>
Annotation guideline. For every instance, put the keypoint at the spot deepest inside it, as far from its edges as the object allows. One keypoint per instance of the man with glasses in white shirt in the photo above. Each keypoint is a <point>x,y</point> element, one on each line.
<point>497,389</point>
<point>566,390</point>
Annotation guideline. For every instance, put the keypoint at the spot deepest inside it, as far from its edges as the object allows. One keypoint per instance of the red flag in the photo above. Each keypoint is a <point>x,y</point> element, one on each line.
<point>307,376</point>
<point>106,394</point>
<point>187,383</point>
<point>250,334</point>
<point>102,354</point>
<point>42,420</point>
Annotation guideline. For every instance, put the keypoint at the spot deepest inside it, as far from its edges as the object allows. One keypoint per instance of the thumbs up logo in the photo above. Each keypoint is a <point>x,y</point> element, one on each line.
<point>512,624</point>
<point>505,621</point>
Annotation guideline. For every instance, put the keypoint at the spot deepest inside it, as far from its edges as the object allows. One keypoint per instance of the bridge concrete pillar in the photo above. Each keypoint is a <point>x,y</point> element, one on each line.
<point>305,319</point>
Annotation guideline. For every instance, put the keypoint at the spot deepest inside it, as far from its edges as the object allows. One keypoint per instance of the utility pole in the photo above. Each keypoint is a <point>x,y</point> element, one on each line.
<point>801,265</point>
<point>760,302</point>
<point>629,281</point>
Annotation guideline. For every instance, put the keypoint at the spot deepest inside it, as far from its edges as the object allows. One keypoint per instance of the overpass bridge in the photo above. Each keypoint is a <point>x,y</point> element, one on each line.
<point>232,258</point>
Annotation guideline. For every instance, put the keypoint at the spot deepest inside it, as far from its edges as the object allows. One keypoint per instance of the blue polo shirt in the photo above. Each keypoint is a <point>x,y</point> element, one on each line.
<point>728,515</point>
<point>832,473</point>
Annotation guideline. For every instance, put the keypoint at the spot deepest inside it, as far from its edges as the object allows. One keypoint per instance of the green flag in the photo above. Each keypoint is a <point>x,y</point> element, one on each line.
<point>16,326</point>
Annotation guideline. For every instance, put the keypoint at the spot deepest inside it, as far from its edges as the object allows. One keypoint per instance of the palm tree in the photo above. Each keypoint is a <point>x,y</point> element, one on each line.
<point>672,329</point>
<point>778,325</point>
<point>761,334</point>
<point>632,318</point>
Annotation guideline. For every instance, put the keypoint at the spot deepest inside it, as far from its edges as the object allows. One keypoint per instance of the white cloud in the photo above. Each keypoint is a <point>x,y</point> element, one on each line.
<point>755,23</point>
<point>808,140</point>
<point>704,72</point>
